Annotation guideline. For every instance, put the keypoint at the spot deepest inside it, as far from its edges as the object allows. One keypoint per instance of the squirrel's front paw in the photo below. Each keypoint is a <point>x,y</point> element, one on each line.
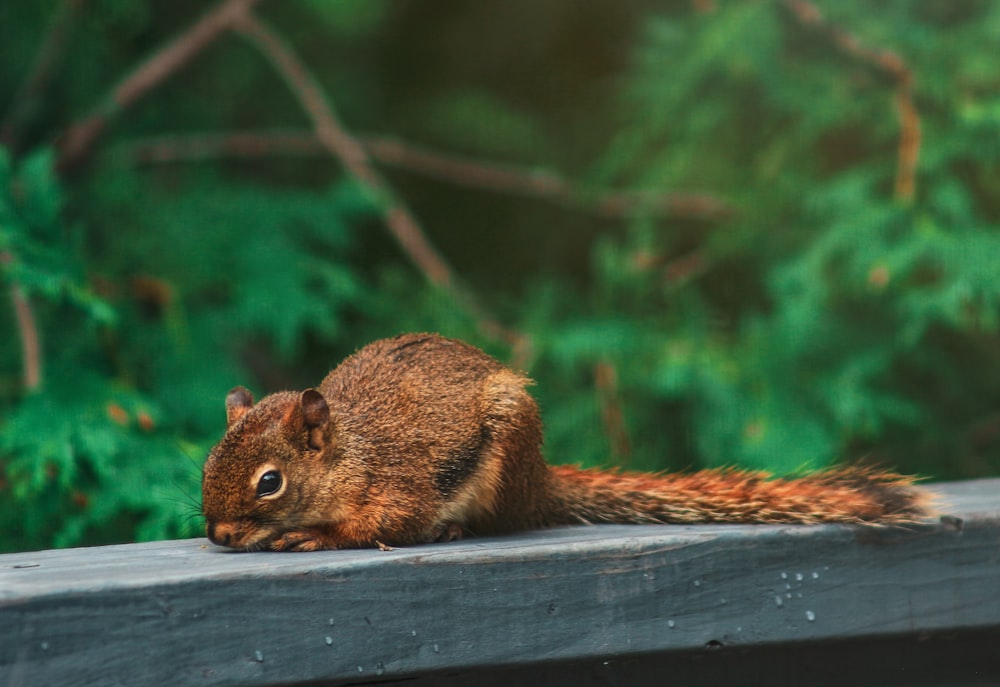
<point>299,541</point>
<point>449,532</point>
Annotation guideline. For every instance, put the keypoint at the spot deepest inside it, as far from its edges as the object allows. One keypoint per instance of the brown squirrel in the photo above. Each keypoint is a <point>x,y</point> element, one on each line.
<point>420,438</point>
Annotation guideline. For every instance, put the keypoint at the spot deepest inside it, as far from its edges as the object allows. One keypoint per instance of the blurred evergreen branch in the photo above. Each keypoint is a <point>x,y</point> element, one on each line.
<point>447,167</point>
<point>342,145</point>
<point>893,66</point>
<point>79,139</point>
<point>345,148</point>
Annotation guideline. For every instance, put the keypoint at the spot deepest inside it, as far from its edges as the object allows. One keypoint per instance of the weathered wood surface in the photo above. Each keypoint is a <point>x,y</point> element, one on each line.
<point>187,613</point>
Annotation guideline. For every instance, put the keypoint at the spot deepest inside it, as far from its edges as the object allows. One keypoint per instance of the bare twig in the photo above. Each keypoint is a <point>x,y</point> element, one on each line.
<point>79,139</point>
<point>541,184</point>
<point>31,355</point>
<point>349,151</point>
<point>465,171</point>
<point>909,143</point>
<point>201,147</point>
<point>892,65</point>
<point>49,55</point>
<point>609,398</point>
<point>28,330</point>
<point>676,205</point>
<point>452,169</point>
<point>345,148</point>
<point>676,271</point>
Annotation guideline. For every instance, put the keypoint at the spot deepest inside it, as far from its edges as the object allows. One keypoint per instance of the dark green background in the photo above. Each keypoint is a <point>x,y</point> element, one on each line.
<point>822,316</point>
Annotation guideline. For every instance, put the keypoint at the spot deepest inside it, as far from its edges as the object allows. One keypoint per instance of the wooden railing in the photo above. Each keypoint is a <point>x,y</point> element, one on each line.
<point>726,605</point>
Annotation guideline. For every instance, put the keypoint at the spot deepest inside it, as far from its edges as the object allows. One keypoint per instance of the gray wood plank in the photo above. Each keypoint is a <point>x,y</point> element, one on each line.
<point>187,613</point>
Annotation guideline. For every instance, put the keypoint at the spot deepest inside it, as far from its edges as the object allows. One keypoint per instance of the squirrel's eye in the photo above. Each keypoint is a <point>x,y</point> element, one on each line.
<point>269,483</point>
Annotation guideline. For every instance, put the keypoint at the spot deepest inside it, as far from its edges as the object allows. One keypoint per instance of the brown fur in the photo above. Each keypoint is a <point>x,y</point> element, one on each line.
<point>421,438</point>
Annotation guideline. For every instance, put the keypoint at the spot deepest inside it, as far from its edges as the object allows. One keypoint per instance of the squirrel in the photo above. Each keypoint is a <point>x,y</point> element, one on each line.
<point>420,438</point>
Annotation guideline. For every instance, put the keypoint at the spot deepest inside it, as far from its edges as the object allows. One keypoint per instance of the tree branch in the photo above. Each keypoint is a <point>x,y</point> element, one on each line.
<point>543,185</point>
<point>31,355</point>
<point>344,147</point>
<point>28,331</point>
<point>892,65</point>
<point>446,167</point>
<point>79,139</point>
<point>612,414</point>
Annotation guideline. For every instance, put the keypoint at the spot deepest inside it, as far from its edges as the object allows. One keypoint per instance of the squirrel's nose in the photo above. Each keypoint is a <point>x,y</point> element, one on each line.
<point>221,538</point>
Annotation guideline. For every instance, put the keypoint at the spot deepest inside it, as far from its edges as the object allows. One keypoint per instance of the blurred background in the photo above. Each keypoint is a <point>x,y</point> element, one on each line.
<point>755,233</point>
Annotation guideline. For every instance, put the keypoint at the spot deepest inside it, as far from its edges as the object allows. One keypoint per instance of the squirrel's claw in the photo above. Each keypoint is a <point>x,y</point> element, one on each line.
<point>298,541</point>
<point>450,532</point>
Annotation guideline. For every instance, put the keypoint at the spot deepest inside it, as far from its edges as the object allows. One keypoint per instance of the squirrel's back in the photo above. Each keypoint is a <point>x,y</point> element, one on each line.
<point>450,433</point>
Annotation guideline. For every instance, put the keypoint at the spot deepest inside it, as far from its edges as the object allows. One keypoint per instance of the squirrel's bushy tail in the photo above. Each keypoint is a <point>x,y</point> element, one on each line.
<point>844,494</point>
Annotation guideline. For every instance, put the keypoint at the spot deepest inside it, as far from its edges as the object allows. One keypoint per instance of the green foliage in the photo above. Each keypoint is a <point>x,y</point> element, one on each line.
<point>824,318</point>
<point>350,17</point>
<point>144,334</point>
<point>834,298</point>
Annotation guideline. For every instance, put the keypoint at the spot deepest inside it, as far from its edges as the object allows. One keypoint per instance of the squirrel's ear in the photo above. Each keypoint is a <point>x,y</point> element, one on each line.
<point>238,402</point>
<point>316,415</point>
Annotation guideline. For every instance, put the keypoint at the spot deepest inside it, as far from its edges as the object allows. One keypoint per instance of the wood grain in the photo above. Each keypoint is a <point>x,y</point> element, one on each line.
<point>187,613</point>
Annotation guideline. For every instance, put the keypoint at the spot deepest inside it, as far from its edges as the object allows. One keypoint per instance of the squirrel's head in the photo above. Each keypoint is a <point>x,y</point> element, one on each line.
<point>255,482</point>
